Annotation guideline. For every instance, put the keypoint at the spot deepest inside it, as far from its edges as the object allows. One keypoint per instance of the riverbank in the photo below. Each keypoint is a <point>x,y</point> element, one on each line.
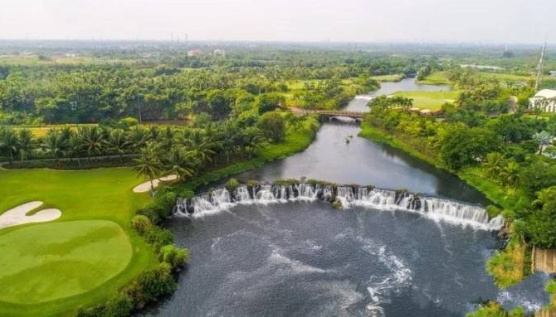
<point>471,175</point>
<point>508,267</point>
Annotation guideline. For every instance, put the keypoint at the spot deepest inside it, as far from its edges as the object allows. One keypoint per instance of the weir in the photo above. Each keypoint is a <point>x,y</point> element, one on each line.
<point>435,208</point>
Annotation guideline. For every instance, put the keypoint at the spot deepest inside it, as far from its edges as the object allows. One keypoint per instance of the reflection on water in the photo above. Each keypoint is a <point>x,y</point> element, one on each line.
<point>365,163</point>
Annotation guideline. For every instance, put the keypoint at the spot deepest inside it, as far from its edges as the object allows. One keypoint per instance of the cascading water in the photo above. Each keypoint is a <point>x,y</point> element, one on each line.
<point>381,199</point>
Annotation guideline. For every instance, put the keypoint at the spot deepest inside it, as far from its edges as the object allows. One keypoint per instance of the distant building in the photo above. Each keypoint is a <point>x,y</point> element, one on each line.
<point>219,53</point>
<point>552,73</point>
<point>544,100</point>
<point>193,53</point>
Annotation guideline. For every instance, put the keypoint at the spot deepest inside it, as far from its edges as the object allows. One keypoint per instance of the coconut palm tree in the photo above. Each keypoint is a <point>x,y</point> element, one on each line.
<point>252,139</point>
<point>203,146</point>
<point>26,143</point>
<point>54,144</point>
<point>510,174</point>
<point>93,140</point>
<point>181,163</point>
<point>9,143</point>
<point>148,164</point>
<point>117,142</point>
<point>494,163</point>
<point>138,137</point>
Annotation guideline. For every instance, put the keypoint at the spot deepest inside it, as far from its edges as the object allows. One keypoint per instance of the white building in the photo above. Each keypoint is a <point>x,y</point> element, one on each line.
<point>545,100</point>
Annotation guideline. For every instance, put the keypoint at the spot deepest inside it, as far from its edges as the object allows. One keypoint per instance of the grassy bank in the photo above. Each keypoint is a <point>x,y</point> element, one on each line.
<point>432,100</point>
<point>380,136</point>
<point>436,78</point>
<point>509,266</point>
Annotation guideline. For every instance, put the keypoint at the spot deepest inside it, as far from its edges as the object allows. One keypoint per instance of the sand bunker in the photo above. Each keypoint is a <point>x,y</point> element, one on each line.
<point>146,186</point>
<point>18,215</point>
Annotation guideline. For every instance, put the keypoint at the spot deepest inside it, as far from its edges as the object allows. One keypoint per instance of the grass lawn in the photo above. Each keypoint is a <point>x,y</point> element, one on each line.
<point>506,77</point>
<point>432,100</point>
<point>384,78</point>
<point>80,248</point>
<point>77,255</point>
<point>436,78</point>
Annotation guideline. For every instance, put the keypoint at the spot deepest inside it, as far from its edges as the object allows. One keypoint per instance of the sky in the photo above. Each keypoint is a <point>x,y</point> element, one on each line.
<point>433,21</point>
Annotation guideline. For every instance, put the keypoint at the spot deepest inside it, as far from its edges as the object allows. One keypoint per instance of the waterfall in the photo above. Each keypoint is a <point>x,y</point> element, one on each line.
<point>434,208</point>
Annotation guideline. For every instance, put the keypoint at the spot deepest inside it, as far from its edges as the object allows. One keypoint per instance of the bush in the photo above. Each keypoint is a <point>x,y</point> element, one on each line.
<point>492,309</point>
<point>232,184</point>
<point>128,122</point>
<point>173,256</point>
<point>142,224</point>
<point>150,213</point>
<point>118,306</point>
<point>151,286</point>
<point>158,237</point>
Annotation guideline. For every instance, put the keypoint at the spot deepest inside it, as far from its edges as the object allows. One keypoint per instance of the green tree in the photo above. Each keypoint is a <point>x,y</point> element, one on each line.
<point>464,146</point>
<point>148,164</point>
<point>26,143</point>
<point>9,143</point>
<point>180,162</point>
<point>541,224</point>
<point>117,142</point>
<point>273,126</point>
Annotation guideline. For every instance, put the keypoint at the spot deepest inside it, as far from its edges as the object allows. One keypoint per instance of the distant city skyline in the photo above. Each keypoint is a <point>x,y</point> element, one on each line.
<point>430,21</point>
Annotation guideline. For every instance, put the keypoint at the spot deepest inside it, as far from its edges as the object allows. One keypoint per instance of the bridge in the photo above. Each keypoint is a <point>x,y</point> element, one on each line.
<point>332,113</point>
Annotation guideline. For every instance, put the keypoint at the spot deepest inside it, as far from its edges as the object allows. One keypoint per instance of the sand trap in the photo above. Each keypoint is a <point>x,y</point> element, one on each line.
<point>146,186</point>
<point>17,216</point>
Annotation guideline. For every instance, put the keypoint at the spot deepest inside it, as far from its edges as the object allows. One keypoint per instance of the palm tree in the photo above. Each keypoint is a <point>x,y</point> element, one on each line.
<point>93,140</point>
<point>138,137</point>
<point>9,143</point>
<point>494,163</point>
<point>202,145</point>
<point>117,142</point>
<point>168,138</point>
<point>181,163</point>
<point>510,174</point>
<point>54,144</point>
<point>26,143</point>
<point>148,164</point>
<point>252,139</point>
<point>543,139</point>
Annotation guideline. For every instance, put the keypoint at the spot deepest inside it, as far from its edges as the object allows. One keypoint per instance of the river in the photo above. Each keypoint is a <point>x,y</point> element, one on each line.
<point>308,259</point>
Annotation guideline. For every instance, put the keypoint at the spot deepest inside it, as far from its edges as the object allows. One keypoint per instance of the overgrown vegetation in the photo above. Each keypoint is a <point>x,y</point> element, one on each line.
<point>505,155</point>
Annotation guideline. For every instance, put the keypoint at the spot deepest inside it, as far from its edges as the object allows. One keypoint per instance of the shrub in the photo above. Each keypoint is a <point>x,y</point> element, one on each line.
<point>493,211</point>
<point>119,305</point>
<point>252,183</point>
<point>232,184</point>
<point>173,256</point>
<point>152,285</point>
<point>142,224</point>
<point>150,213</point>
<point>128,122</point>
<point>158,237</point>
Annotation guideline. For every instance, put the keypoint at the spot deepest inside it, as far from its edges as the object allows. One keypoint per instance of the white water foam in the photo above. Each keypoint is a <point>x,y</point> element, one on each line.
<point>433,208</point>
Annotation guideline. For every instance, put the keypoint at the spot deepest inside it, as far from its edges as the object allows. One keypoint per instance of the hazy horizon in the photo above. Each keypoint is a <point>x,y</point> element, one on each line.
<point>371,21</point>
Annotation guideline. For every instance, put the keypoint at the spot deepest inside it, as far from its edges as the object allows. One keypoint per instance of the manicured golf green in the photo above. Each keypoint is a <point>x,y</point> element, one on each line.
<point>432,100</point>
<point>60,259</point>
<point>96,206</point>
